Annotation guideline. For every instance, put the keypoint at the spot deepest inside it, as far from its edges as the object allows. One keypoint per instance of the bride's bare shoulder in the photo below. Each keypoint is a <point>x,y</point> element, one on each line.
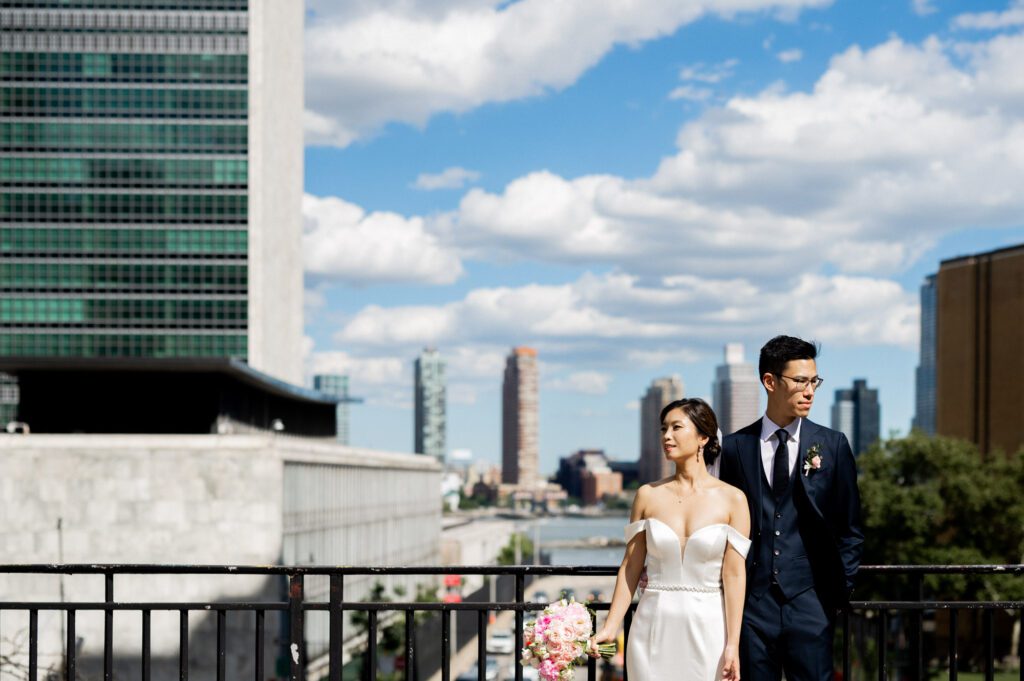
<point>728,492</point>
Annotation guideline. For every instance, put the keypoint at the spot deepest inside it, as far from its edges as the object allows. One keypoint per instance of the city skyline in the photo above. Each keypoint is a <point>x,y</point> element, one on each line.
<point>681,179</point>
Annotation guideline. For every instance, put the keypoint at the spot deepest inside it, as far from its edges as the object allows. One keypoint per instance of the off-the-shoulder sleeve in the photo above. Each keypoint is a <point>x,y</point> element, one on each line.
<point>634,529</point>
<point>738,541</point>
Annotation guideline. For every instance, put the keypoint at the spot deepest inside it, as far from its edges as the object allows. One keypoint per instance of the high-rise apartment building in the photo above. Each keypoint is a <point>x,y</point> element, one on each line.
<point>736,391</point>
<point>430,404</point>
<point>857,414</point>
<point>653,465</point>
<point>520,455</point>
<point>924,376</point>
<point>979,346</point>
<point>151,172</point>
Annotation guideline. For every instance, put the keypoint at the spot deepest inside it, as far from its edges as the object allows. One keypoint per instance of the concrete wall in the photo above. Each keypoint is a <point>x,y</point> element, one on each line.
<point>191,499</point>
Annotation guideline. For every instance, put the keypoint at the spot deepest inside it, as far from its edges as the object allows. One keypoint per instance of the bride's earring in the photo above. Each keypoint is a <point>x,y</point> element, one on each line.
<point>700,452</point>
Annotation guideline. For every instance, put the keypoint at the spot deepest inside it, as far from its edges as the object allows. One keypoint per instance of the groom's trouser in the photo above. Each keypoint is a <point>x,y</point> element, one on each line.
<point>793,635</point>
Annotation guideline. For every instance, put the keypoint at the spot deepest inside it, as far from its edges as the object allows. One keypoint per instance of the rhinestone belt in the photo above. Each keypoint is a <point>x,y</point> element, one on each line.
<point>655,586</point>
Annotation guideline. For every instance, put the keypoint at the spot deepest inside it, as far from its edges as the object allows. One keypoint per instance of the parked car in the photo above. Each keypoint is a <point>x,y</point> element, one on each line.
<point>529,674</point>
<point>540,597</point>
<point>490,672</point>
<point>501,643</point>
<point>568,594</point>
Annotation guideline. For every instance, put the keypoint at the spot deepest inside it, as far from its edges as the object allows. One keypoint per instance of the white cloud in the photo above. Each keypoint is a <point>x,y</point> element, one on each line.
<point>992,21</point>
<point>370,63</point>
<point>790,56</point>
<point>449,178</point>
<point>691,93</point>
<point>923,7</point>
<point>715,73</point>
<point>344,243</point>
<point>584,382</point>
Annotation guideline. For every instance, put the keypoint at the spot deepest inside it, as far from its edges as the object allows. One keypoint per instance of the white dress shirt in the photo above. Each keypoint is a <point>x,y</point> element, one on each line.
<point>770,441</point>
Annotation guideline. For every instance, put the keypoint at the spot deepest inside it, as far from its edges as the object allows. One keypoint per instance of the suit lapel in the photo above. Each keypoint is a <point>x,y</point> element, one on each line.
<point>753,470</point>
<point>809,431</point>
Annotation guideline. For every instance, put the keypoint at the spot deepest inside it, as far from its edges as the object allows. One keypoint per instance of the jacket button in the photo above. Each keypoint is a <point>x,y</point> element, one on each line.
<point>777,533</point>
<point>775,571</point>
<point>778,515</point>
<point>776,552</point>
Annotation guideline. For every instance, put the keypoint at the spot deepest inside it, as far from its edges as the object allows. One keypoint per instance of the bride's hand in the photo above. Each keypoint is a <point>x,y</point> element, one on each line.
<point>730,664</point>
<point>601,637</point>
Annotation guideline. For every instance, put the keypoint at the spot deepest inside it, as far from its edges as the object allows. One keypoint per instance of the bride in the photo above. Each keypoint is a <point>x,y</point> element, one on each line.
<point>691,530</point>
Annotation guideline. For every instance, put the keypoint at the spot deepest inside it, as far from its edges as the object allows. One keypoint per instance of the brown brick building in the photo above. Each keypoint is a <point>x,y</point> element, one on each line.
<point>980,349</point>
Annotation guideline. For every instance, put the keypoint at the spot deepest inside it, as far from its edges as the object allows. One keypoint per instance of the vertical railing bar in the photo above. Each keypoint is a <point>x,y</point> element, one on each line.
<point>222,616</point>
<point>260,615</point>
<point>33,644</point>
<point>917,636</point>
<point>627,623</point>
<point>410,645</point>
<point>335,626</point>
<point>147,645</point>
<point>883,626</point>
<point>446,645</point>
<point>371,647</point>
<point>183,645</point>
<point>990,661</point>
<point>954,650</point>
<point>1020,648</point>
<point>481,644</point>
<point>520,598</point>
<point>108,628</point>
<point>592,661</point>
<point>846,644</point>
<point>296,648</point>
<point>71,648</point>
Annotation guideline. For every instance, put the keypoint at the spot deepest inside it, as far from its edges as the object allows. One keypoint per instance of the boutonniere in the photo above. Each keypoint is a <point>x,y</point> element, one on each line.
<point>812,461</point>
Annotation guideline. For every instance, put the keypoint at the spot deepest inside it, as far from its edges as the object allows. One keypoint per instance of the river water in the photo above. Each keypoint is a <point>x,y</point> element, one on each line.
<point>574,527</point>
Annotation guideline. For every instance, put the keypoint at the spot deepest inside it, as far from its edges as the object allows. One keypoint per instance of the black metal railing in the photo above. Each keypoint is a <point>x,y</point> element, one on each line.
<point>874,617</point>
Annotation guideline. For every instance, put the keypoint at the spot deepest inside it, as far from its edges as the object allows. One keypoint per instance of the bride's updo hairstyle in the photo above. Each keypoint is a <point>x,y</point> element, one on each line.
<point>702,416</point>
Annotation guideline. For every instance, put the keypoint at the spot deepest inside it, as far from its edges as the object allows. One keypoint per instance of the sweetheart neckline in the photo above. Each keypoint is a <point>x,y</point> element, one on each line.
<point>679,539</point>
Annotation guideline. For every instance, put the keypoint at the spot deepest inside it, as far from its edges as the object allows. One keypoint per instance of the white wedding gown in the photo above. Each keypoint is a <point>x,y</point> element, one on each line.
<point>678,630</point>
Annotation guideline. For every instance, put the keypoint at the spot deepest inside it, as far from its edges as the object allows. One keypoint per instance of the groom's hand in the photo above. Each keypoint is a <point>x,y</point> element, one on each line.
<point>642,584</point>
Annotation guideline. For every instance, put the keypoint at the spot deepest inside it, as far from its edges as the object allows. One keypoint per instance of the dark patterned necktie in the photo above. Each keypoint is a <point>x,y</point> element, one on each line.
<point>780,467</point>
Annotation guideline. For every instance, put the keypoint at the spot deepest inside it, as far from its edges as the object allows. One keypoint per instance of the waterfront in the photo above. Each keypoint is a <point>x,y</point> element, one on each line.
<point>563,528</point>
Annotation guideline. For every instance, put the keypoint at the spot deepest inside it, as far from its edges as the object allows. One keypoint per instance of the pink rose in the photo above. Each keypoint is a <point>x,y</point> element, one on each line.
<point>816,462</point>
<point>548,670</point>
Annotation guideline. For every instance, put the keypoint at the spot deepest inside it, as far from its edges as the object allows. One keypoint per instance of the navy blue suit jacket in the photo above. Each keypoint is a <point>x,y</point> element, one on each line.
<point>827,502</point>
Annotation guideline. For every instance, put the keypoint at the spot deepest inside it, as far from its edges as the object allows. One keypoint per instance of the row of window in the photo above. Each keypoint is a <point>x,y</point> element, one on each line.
<point>124,172</point>
<point>115,137</point>
<point>178,241</point>
<point>123,207</point>
<point>125,102</point>
<point>209,278</point>
<point>124,312</point>
<point>192,68</point>
<point>122,345</point>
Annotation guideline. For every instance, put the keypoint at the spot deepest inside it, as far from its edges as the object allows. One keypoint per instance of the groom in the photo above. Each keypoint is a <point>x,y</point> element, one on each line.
<point>801,485</point>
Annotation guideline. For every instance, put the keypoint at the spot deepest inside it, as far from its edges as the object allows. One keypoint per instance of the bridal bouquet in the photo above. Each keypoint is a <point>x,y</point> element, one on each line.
<point>558,640</point>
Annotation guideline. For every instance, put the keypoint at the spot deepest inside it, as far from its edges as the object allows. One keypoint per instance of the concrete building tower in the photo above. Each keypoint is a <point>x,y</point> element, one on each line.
<point>652,464</point>
<point>857,414</point>
<point>520,457</point>
<point>430,404</point>
<point>736,391</point>
<point>151,155</point>
<point>979,346</point>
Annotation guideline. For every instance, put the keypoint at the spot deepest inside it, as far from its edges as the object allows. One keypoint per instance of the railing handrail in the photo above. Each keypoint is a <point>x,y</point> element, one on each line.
<point>327,570</point>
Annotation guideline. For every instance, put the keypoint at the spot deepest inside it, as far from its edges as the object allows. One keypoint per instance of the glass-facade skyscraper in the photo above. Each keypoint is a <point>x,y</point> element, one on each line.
<point>150,162</point>
<point>924,383</point>
<point>430,420</point>
<point>857,414</point>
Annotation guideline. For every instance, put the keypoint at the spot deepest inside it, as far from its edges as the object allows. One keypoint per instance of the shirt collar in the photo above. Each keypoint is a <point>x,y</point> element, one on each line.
<point>768,428</point>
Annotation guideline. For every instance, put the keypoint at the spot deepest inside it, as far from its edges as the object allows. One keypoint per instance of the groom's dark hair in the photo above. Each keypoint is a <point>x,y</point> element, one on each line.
<point>780,350</point>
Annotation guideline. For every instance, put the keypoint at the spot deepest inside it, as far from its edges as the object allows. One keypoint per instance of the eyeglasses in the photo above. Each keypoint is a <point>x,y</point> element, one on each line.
<point>802,382</point>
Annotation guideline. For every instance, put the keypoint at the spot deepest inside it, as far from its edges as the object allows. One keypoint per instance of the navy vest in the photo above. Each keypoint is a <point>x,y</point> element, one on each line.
<point>781,555</point>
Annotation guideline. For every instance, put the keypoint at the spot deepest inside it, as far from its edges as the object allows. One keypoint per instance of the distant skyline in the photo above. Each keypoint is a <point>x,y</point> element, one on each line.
<point>673,179</point>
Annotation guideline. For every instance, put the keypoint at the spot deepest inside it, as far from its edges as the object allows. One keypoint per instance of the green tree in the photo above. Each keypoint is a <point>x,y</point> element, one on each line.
<point>391,633</point>
<point>507,555</point>
<point>935,500</point>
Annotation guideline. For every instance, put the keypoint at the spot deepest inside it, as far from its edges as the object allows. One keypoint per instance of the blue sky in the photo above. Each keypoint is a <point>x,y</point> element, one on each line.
<point>627,185</point>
